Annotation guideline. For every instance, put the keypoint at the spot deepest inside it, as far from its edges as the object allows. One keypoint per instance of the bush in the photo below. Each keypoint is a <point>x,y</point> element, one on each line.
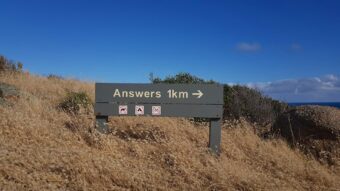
<point>180,78</point>
<point>54,77</point>
<point>242,101</point>
<point>74,102</point>
<point>239,101</point>
<point>9,65</point>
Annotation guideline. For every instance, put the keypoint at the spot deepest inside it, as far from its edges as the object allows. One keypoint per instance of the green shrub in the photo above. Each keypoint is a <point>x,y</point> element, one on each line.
<point>242,101</point>
<point>239,101</point>
<point>180,78</point>
<point>74,102</point>
<point>54,77</point>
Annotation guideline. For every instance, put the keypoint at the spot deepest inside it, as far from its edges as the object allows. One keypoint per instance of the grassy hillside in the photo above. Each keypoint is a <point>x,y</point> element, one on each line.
<point>45,148</point>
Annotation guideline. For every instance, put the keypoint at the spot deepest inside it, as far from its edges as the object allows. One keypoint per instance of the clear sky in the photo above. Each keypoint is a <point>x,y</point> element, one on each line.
<point>288,49</point>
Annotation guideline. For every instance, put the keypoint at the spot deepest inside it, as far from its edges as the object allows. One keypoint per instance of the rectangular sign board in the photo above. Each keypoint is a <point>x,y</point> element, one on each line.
<point>161,100</point>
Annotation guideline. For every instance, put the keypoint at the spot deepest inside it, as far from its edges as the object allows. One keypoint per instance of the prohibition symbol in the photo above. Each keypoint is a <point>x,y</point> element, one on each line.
<point>156,110</point>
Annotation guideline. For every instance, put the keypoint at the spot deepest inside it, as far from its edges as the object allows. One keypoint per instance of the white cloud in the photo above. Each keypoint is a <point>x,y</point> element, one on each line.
<point>317,89</point>
<point>248,47</point>
<point>296,47</point>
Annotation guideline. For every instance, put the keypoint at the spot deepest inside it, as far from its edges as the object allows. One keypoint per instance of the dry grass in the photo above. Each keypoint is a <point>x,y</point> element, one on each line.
<point>42,148</point>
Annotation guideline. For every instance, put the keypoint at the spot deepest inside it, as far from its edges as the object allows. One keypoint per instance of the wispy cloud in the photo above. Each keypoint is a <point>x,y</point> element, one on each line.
<point>324,88</point>
<point>248,47</point>
<point>296,47</point>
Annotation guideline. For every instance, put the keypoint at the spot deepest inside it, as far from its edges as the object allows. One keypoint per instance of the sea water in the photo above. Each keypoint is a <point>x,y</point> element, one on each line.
<point>332,104</point>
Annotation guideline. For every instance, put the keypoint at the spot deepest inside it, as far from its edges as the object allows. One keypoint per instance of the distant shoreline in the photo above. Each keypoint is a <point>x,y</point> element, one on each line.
<point>332,104</point>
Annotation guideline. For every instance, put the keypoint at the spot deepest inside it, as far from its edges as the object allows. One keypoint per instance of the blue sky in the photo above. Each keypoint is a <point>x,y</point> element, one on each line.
<point>290,46</point>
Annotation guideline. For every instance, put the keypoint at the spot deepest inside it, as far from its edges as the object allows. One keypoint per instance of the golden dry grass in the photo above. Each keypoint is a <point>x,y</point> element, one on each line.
<point>42,148</point>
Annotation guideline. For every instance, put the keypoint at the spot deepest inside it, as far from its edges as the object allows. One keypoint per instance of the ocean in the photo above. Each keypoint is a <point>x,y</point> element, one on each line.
<point>333,104</point>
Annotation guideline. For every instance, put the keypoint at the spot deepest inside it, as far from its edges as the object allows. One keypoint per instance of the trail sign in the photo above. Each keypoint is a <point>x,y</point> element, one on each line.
<point>167,100</point>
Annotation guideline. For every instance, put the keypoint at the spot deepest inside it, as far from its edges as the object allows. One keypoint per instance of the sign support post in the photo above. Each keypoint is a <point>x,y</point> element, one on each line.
<point>215,135</point>
<point>101,124</point>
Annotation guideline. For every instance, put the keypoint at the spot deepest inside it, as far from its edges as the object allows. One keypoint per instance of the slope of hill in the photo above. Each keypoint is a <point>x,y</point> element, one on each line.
<point>43,148</point>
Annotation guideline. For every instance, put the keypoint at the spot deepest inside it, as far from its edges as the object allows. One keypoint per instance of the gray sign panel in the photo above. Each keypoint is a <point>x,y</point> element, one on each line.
<point>159,93</point>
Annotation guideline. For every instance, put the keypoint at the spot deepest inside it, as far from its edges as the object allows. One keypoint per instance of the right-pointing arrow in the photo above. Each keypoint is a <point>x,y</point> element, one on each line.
<point>199,94</point>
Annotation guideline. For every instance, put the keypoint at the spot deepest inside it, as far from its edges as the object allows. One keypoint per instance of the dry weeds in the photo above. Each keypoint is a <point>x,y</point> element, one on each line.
<point>42,148</point>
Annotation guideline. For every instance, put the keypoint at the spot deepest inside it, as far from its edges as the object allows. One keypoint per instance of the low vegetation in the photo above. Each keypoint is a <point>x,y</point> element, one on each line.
<point>242,101</point>
<point>7,65</point>
<point>45,148</point>
<point>54,77</point>
<point>315,130</point>
<point>75,102</point>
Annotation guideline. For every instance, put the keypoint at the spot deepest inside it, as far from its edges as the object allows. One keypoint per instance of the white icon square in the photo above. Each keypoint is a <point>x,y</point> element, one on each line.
<point>123,110</point>
<point>139,110</point>
<point>156,110</point>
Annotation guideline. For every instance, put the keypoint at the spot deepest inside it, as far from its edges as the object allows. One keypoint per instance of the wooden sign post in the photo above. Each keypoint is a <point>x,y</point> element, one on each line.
<point>162,100</point>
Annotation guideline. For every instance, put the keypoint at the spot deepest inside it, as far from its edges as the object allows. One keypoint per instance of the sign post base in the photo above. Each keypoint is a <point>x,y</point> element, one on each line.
<point>215,135</point>
<point>101,124</point>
